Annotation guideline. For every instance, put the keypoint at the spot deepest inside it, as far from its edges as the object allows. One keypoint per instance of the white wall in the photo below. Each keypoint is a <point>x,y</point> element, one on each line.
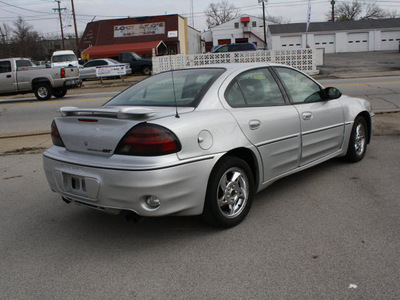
<point>194,40</point>
<point>339,42</point>
<point>228,31</point>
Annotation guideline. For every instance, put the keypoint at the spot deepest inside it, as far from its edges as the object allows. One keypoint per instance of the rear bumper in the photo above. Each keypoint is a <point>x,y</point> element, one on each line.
<point>181,188</point>
<point>72,83</point>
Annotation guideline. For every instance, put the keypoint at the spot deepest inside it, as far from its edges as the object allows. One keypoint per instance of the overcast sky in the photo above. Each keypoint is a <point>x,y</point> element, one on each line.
<point>40,13</point>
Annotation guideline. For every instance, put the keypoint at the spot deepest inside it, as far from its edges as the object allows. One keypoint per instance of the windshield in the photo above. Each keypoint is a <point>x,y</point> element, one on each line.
<point>66,57</point>
<point>137,57</point>
<point>181,88</point>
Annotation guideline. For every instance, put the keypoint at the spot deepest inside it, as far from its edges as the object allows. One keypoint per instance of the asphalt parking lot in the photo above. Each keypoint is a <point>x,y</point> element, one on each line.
<point>331,231</point>
<point>360,65</point>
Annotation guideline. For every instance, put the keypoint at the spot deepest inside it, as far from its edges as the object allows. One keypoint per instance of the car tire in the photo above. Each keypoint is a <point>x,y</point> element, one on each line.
<point>358,141</point>
<point>146,70</point>
<point>230,192</point>
<point>59,93</point>
<point>43,91</point>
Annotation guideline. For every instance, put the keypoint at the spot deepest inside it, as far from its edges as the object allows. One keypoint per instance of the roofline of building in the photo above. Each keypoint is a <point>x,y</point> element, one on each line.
<point>334,26</point>
<point>137,17</point>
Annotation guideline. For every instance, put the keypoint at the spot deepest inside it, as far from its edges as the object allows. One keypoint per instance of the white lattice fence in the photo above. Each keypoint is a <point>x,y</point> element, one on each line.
<point>303,59</point>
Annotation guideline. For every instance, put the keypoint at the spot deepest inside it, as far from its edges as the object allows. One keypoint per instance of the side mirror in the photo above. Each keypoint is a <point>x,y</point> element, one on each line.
<point>333,93</point>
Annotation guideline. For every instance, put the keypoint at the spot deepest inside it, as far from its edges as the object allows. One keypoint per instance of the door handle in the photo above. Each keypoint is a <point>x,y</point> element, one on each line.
<point>254,124</point>
<point>307,115</point>
<point>8,76</point>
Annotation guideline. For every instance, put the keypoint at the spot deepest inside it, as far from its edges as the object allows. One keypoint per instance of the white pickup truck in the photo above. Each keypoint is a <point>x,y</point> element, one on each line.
<point>19,76</point>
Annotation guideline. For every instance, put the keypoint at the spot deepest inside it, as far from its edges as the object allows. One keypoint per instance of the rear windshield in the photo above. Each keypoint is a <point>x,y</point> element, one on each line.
<point>23,63</point>
<point>62,58</point>
<point>180,87</point>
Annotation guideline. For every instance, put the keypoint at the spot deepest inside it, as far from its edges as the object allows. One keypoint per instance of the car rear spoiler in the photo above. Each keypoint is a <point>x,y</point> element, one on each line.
<point>120,113</point>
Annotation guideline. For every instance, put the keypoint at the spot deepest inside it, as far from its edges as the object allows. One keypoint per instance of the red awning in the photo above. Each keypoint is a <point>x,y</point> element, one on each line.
<point>116,49</point>
<point>245,19</point>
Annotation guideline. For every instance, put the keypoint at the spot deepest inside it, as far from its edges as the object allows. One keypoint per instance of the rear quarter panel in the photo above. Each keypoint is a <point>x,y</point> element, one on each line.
<point>205,132</point>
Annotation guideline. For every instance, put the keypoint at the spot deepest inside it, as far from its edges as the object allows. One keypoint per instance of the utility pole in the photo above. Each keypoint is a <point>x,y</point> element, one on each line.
<point>333,10</point>
<point>61,25</point>
<point>76,29</point>
<point>265,29</point>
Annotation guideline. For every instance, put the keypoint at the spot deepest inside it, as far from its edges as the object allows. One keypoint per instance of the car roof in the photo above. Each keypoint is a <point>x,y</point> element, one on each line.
<point>237,66</point>
<point>63,52</point>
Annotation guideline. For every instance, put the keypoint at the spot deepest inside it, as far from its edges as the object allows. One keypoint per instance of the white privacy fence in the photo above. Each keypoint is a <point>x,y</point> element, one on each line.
<point>302,59</point>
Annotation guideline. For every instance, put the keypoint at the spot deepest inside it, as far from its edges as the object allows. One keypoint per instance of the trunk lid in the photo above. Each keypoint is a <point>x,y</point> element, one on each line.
<point>99,131</point>
<point>71,72</point>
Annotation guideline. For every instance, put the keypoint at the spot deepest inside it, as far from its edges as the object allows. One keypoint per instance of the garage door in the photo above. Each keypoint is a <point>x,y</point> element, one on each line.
<point>291,42</point>
<point>390,40</point>
<point>326,41</point>
<point>358,42</point>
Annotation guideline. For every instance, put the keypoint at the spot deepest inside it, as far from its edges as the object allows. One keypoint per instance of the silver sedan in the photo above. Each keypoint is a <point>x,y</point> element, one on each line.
<point>88,70</point>
<point>202,141</point>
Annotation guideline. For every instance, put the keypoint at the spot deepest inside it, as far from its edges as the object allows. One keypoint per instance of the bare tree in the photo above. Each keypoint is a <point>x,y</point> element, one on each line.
<point>373,11</point>
<point>393,14</point>
<point>348,11</point>
<point>5,31</point>
<point>275,19</point>
<point>356,10</point>
<point>219,13</point>
<point>24,38</point>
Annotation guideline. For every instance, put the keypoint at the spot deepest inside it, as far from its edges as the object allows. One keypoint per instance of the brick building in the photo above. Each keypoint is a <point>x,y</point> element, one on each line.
<point>147,36</point>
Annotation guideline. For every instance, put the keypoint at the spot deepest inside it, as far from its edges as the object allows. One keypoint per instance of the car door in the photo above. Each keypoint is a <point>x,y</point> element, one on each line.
<point>272,125</point>
<point>24,77</point>
<point>322,120</point>
<point>89,69</point>
<point>7,80</point>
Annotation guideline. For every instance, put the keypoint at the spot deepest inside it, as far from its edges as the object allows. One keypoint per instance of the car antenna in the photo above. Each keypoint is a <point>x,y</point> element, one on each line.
<point>173,88</point>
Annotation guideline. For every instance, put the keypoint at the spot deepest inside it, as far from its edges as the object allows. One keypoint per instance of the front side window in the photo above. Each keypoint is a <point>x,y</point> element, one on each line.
<point>301,88</point>
<point>236,25</point>
<point>180,87</point>
<point>222,49</point>
<point>254,88</point>
<point>101,63</point>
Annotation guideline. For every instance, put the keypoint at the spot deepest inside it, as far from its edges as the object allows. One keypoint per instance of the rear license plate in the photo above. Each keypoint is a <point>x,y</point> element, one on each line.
<point>78,184</point>
<point>87,187</point>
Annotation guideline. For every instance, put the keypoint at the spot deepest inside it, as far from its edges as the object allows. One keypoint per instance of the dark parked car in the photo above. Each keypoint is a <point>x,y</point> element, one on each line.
<point>137,63</point>
<point>234,48</point>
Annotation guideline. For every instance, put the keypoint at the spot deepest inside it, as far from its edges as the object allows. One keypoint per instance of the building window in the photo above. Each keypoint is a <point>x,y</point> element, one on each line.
<point>236,25</point>
<point>254,24</point>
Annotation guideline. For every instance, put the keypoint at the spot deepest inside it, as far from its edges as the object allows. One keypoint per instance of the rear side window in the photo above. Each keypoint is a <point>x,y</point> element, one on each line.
<point>95,63</point>
<point>245,47</point>
<point>23,63</point>
<point>5,66</point>
<point>254,88</point>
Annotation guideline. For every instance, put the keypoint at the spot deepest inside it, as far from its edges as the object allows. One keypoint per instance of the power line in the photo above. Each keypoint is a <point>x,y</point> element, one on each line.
<point>22,8</point>
<point>59,9</point>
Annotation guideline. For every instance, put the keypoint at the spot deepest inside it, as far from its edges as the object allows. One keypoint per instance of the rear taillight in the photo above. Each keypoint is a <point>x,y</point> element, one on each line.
<point>55,135</point>
<point>62,73</point>
<point>148,140</point>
